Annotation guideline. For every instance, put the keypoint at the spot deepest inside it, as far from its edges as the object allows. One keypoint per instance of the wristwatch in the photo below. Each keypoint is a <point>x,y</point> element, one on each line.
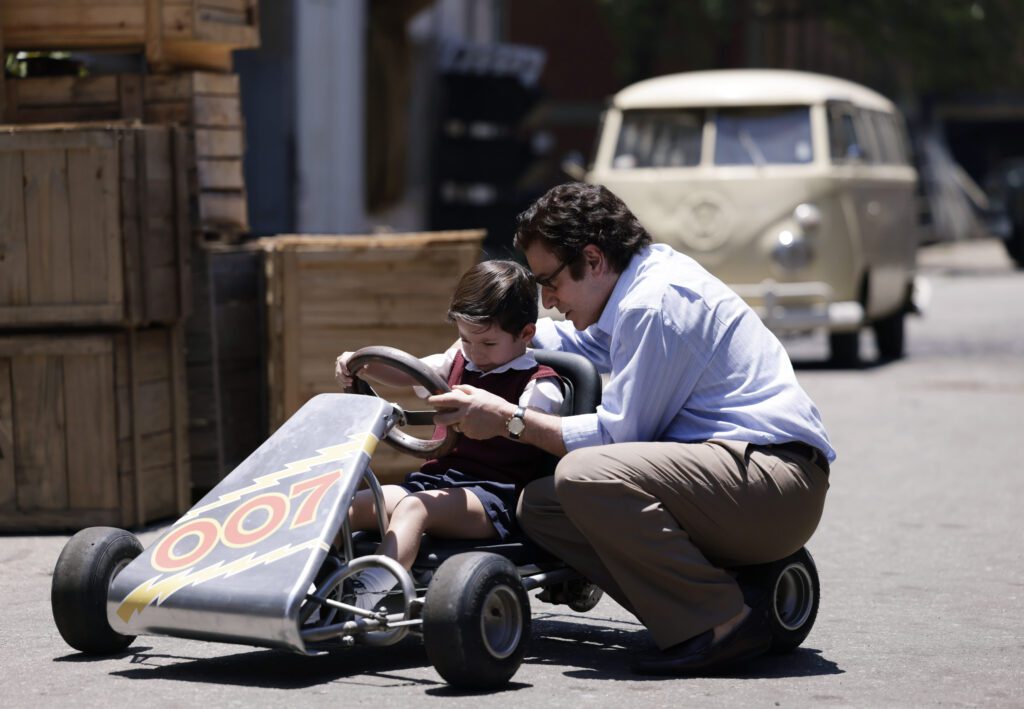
<point>517,424</point>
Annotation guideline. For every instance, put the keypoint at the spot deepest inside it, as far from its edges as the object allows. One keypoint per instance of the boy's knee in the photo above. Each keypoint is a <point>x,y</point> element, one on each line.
<point>410,506</point>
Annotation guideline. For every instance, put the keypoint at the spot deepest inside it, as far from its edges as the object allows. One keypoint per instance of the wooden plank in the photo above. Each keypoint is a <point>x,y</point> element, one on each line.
<point>182,221</point>
<point>91,435</point>
<point>88,191</point>
<point>290,306</point>
<point>220,174</point>
<point>8,488</point>
<point>57,137</point>
<point>64,91</point>
<point>50,345</point>
<point>39,435</point>
<point>21,315</point>
<point>133,223</point>
<point>179,421</point>
<point>58,520</point>
<point>13,247</point>
<point>223,210</point>
<point>47,227</point>
<point>219,143</point>
<point>135,399</point>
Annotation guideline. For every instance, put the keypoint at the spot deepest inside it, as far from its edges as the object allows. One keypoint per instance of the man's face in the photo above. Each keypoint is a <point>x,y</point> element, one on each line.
<point>580,301</point>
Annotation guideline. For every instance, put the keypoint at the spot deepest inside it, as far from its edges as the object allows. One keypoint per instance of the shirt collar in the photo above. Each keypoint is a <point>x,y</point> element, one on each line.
<point>606,323</point>
<point>524,361</point>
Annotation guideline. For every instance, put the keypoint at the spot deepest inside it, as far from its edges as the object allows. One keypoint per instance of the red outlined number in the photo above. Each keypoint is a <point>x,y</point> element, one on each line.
<point>164,556</point>
<point>317,488</point>
<point>234,533</point>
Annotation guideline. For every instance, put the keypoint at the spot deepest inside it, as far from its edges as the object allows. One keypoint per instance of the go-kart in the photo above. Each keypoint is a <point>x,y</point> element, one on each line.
<point>267,557</point>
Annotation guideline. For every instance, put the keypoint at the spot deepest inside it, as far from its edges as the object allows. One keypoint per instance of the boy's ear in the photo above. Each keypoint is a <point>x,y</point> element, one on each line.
<point>528,332</point>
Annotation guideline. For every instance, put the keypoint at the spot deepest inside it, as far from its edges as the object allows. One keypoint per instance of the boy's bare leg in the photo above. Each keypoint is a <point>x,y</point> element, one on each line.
<point>453,513</point>
<point>363,513</point>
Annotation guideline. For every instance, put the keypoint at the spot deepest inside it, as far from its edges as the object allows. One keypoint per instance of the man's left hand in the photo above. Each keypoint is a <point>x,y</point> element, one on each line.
<point>478,413</point>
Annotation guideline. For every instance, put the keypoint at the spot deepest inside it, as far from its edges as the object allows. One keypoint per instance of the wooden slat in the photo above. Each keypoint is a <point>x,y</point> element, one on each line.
<point>218,143</point>
<point>88,189</point>
<point>47,227</point>
<point>135,399</point>
<point>179,421</point>
<point>8,495</point>
<point>91,435</point>
<point>39,435</point>
<point>58,520</point>
<point>56,137</point>
<point>224,209</point>
<point>290,306</point>
<point>13,252</point>
<point>220,174</point>
<point>61,315</point>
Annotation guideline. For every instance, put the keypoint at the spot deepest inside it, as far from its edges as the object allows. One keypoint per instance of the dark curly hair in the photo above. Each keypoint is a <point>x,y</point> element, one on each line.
<point>495,292</point>
<point>572,215</point>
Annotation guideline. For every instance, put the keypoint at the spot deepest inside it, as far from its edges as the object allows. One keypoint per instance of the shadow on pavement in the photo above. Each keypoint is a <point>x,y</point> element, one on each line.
<point>604,652</point>
<point>275,669</point>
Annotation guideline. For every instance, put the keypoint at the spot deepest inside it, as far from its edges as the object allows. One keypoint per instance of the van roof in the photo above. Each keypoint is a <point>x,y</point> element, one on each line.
<point>745,87</point>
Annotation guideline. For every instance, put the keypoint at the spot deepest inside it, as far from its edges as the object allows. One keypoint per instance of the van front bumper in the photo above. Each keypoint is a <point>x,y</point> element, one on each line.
<point>800,307</point>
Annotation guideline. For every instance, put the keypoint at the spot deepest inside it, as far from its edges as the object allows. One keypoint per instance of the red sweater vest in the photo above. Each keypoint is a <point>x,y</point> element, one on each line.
<point>498,459</point>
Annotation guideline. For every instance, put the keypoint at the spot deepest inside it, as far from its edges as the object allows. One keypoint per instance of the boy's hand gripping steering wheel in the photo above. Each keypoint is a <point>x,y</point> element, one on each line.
<point>425,377</point>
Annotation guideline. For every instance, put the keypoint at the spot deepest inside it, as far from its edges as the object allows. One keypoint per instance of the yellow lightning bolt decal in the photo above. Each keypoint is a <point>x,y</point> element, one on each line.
<point>366,443</point>
<point>159,590</point>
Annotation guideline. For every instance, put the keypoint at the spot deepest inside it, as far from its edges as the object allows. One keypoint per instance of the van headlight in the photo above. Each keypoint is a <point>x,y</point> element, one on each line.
<point>808,216</point>
<point>792,249</point>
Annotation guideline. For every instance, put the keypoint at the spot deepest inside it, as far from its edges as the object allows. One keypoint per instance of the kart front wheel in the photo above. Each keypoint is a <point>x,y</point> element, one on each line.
<point>476,621</point>
<point>89,562</point>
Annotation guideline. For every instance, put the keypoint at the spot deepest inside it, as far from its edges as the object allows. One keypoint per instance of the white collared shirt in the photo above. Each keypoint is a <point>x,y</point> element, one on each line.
<point>688,361</point>
<point>543,395</point>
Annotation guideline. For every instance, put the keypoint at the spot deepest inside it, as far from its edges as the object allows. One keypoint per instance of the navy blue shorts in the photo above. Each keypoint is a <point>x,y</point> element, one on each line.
<point>499,499</point>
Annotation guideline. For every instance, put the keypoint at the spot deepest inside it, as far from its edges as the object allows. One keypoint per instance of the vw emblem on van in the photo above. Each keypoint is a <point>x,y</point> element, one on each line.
<point>705,221</point>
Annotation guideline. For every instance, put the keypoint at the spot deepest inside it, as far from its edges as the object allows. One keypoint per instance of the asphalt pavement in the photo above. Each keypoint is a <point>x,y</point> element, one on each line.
<point>920,554</point>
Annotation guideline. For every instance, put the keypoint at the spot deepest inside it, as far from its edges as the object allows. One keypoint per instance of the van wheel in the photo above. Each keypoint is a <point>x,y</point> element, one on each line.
<point>844,348</point>
<point>1015,245</point>
<point>889,336</point>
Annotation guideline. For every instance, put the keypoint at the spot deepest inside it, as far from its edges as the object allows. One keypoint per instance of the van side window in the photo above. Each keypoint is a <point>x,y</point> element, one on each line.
<point>847,144</point>
<point>885,134</point>
<point>763,136</point>
<point>649,139</point>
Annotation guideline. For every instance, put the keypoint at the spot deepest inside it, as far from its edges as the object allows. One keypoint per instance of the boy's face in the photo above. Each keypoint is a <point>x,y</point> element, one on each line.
<point>488,346</point>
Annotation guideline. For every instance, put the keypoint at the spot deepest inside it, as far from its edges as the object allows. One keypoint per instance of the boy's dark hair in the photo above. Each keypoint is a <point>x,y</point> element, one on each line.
<point>501,292</point>
<point>570,216</point>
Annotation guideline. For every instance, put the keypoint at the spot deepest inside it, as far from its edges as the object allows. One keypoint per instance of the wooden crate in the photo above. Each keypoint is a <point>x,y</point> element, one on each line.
<point>225,361</point>
<point>205,103</point>
<point>182,33</point>
<point>93,225</point>
<point>92,430</point>
<point>328,294</point>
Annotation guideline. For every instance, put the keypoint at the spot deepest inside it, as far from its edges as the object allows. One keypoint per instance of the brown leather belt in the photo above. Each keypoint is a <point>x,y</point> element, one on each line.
<point>804,450</point>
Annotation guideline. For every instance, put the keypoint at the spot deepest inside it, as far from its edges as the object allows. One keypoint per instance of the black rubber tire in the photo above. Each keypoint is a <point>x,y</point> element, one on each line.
<point>476,621</point>
<point>788,593</point>
<point>889,335</point>
<point>81,579</point>
<point>844,348</point>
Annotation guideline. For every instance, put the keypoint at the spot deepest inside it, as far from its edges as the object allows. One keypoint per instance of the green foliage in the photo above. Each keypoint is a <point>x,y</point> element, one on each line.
<point>941,45</point>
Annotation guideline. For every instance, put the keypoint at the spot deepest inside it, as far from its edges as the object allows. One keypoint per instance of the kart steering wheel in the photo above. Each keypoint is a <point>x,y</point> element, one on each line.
<point>425,377</point>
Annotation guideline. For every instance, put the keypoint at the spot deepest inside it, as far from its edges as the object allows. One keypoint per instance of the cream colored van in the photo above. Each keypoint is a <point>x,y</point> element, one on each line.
<point>795,189</point>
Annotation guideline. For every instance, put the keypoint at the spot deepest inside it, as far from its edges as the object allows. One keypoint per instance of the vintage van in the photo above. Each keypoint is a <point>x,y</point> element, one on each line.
<point>796,189</point>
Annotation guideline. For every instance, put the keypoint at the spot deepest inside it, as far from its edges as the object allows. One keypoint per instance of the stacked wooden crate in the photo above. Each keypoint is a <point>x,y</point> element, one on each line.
<point>103,201</point>
<point>329,294</point>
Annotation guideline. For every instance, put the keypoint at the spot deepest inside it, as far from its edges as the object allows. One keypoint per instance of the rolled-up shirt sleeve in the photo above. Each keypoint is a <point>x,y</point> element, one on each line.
<point>653,373</point>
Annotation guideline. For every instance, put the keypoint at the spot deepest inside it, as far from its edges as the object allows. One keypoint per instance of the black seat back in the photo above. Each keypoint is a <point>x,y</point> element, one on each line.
<point>581,382</point>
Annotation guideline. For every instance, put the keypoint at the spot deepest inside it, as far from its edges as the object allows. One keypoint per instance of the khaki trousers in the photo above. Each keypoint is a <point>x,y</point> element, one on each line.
<point>655,524</point>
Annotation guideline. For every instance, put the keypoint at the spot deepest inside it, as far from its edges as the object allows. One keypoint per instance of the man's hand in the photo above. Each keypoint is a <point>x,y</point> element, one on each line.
<point>478,414</point>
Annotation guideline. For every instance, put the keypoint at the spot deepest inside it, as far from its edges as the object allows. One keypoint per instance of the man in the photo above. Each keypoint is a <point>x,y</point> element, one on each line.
<point>704,454</point>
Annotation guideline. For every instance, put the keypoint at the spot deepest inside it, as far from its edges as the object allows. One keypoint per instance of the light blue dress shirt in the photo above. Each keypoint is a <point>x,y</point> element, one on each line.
<point>688,361</point>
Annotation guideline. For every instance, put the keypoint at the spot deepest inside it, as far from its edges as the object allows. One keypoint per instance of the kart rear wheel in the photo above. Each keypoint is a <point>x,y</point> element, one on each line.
<point>78,596</point>
<point>476,621</point>
<point>788,592</point>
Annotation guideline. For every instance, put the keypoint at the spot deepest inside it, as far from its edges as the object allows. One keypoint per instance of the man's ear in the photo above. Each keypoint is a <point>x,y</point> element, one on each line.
<point>594,258</point>
<point>528,332</point>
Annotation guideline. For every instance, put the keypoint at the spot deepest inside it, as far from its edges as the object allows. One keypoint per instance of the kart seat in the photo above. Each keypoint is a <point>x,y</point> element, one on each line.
<point>581,386</point>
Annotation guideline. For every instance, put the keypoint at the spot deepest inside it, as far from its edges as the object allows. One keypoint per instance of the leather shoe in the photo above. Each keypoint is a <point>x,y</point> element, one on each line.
<point>701,655</point>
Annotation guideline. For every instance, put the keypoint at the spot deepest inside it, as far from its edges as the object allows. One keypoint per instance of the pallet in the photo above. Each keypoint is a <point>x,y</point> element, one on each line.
<point>173,33</point>
<point>92,430</point>
<point>93,226</point>
<point>206,104</point>
<point>329,294</point>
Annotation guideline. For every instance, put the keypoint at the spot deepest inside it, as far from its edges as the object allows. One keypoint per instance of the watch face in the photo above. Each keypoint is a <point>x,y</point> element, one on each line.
<point>516,426</point>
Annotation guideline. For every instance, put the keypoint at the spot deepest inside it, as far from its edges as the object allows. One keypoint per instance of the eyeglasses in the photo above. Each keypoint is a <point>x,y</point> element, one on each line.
<point>548,281</point>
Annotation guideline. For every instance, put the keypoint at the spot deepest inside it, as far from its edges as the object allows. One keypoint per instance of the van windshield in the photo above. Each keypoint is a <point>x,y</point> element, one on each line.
<point>763,136</point>
<point>659,139</point>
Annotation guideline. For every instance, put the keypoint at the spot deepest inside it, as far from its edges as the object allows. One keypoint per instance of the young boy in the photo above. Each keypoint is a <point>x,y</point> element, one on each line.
<point>471,492</point>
